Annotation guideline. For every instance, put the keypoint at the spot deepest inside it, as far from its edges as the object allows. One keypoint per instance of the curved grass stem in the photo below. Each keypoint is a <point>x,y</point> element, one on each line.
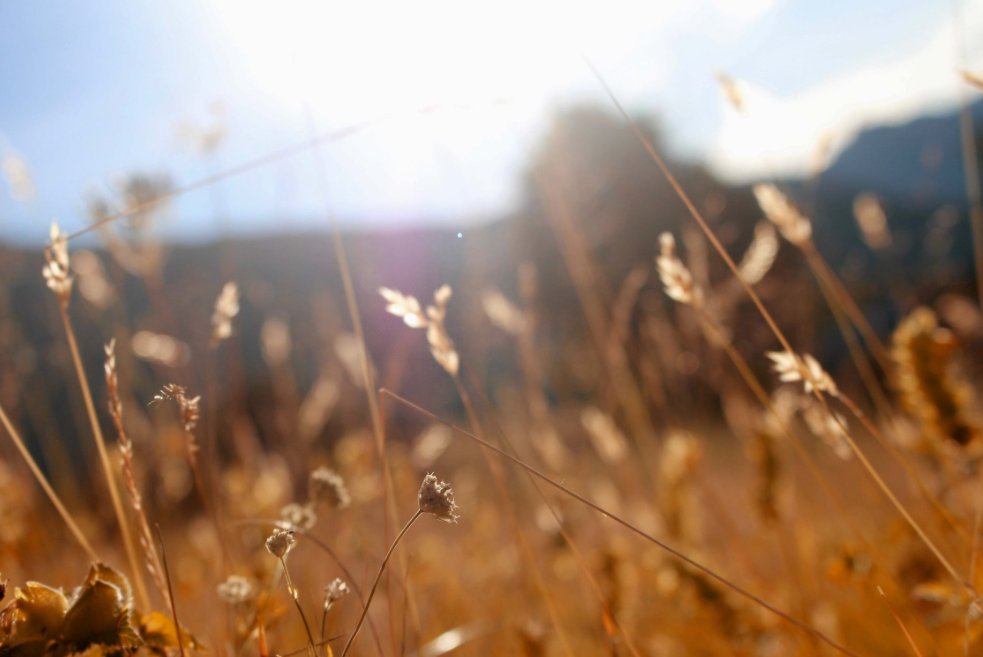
<point>375,583</point>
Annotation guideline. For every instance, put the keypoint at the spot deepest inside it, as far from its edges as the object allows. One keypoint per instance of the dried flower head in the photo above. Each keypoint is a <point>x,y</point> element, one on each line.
<point>56,269</point>
<point>235,590</point>
<point>675,276</point>
<point>807,369</point>
<point>281,542</point>
<point>298,516</point>
<point>226,308</point>
<point>334,592</point>
<point>794,226</point>
<point>437,498</point>
<point>408,308</point>
<point>325,486</point>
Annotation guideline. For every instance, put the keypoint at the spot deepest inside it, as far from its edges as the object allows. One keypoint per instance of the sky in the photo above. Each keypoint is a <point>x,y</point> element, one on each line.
<point>452,97</point>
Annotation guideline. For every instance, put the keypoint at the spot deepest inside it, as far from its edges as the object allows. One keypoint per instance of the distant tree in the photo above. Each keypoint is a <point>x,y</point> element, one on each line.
<point>591,174</point>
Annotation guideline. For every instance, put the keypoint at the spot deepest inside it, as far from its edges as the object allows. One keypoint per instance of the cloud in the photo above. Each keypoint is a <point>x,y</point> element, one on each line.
<point>781,134</point>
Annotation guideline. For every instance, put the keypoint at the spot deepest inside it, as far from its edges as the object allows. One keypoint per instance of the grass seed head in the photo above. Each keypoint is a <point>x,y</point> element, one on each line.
<point>56,271</point>
<point>779,210</point>
<point>408,308</point>
<point>226,308</point>
<point>676,277</point>
<point>404,306</point>
<point>791,367</point>
<point>760,255</point>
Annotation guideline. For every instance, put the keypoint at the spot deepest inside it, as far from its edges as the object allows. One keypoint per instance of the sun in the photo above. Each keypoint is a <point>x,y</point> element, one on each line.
<point>363,59</point>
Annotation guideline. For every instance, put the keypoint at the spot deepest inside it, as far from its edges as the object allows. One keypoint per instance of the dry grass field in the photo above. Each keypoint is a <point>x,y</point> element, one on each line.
<point>619,442</point>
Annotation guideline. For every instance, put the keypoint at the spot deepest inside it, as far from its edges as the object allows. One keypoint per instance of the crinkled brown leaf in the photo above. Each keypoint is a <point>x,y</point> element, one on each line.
<point>27,622</point>
<point>97,615</point>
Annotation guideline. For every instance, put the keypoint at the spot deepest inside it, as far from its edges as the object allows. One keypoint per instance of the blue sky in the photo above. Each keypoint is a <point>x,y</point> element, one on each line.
<point>95,90</point>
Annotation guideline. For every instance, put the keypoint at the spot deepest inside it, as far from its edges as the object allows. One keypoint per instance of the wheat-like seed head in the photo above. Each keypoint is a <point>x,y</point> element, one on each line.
<point>408,308</point>
<point>791,367</point>
<point>404,306</point>
<point>931,388</point>
<point>676,277</point>
<point>779,210</point>
<point>760,255</point>
<point>56,271</point>
<point>226,308</point>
